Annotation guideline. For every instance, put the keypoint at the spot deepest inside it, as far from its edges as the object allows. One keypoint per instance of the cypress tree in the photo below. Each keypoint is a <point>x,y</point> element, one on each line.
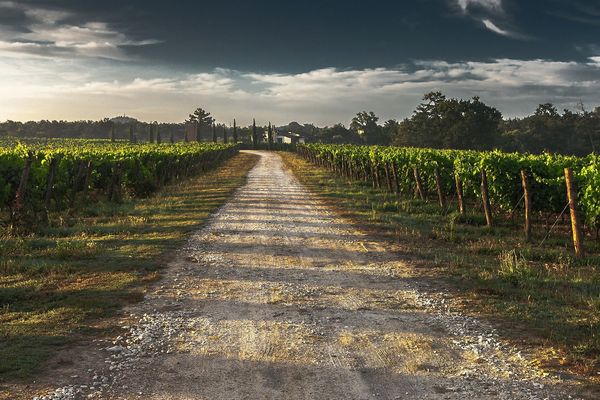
<point>131,134</point>
<point>158,138</point>
<point>270,132</point>
<point>254,137</point>
<point>151,134</point>
<point>224,134</point>
<point>214,130</point>
<point>235,137</point>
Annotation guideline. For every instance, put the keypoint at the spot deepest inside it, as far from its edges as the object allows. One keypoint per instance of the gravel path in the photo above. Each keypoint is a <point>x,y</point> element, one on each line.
<point>278,297</point>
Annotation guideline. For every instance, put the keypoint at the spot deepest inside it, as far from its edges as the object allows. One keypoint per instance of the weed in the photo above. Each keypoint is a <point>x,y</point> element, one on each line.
<point>514,268</point>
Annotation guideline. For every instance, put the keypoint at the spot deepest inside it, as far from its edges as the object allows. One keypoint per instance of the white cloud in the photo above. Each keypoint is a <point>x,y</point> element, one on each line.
<point>492,27</point>
<point>503,32</point>
<point>48,35</point>
<point>488,12</point>
<point>65,89</point>
<point>493,5</point>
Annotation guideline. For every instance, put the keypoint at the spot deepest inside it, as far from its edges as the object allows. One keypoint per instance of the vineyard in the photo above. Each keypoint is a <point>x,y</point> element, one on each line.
<point>38,176</point>
<point>494,182</point>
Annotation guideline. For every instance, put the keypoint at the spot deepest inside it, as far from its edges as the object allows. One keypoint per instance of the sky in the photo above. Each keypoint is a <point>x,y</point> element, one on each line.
<point>309,61</point>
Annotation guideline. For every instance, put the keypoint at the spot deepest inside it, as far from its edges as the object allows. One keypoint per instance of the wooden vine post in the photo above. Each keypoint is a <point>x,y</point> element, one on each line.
<point>19,204</point>
<point>485,198</point>
<point>76,183</point>
<point>419,183</point>
<point>86,179</point>
<point>373,174</point>
<point>440,191</point>
<point>460,194</point>
<point>114,191</point>
<point>527,199</point>
<point>575,226</point>
<point>50,183</point>
<point>388,177</point>
<point>396,181</point>
<point>377,176</point>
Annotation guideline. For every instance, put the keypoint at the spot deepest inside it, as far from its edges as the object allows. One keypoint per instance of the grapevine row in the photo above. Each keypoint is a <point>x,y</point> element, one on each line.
<point>459,174</point>
<point>37,178</point>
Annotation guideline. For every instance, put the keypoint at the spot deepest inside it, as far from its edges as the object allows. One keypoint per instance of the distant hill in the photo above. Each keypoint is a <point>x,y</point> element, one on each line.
<point>123,120</point>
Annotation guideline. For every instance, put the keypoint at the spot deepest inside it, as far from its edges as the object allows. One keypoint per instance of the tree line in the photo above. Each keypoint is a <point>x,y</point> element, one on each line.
<point>437,122</point>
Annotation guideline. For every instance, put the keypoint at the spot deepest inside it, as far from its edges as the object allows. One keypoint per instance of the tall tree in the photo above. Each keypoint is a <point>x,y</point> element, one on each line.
<point>439,122</point>
<point>158,138</point>
<point>390,128</point>
<point>365,125</point>
<point>254,136</point>
<point>270,136</point>
<point>214,132</point>
<point>202,120</point>
<point>235,136</point>
<point>131,134</point>
<point>224,134</point>
<point>112,132</point>
<point>151,133</point>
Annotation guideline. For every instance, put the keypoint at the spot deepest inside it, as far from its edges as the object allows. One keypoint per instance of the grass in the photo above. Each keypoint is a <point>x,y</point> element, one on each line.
<point>60,282</point>
<point>540,295</point>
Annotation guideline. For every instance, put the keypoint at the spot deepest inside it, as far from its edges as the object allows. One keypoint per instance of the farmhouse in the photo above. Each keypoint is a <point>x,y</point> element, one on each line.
<point>289,138</point>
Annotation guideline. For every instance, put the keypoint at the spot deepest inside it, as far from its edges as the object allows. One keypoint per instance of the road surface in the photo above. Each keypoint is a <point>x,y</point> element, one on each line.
<point>277,297</point>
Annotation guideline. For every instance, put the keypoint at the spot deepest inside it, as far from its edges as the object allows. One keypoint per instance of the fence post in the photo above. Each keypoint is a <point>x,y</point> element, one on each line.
<point>575,226</point>
<point>440,191</point>
<point>527,199</point>
<point>485,198</point>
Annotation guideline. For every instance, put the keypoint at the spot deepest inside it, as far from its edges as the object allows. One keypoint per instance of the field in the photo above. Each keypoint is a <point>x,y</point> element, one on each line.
<point>345,269</point>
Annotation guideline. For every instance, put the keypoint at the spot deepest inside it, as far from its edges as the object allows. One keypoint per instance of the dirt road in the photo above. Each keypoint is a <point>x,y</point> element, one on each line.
<point>279,298</point>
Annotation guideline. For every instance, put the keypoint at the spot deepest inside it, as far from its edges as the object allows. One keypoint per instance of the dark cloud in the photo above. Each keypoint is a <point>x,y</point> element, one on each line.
<point>320,58</point>
<point>276,35</point>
